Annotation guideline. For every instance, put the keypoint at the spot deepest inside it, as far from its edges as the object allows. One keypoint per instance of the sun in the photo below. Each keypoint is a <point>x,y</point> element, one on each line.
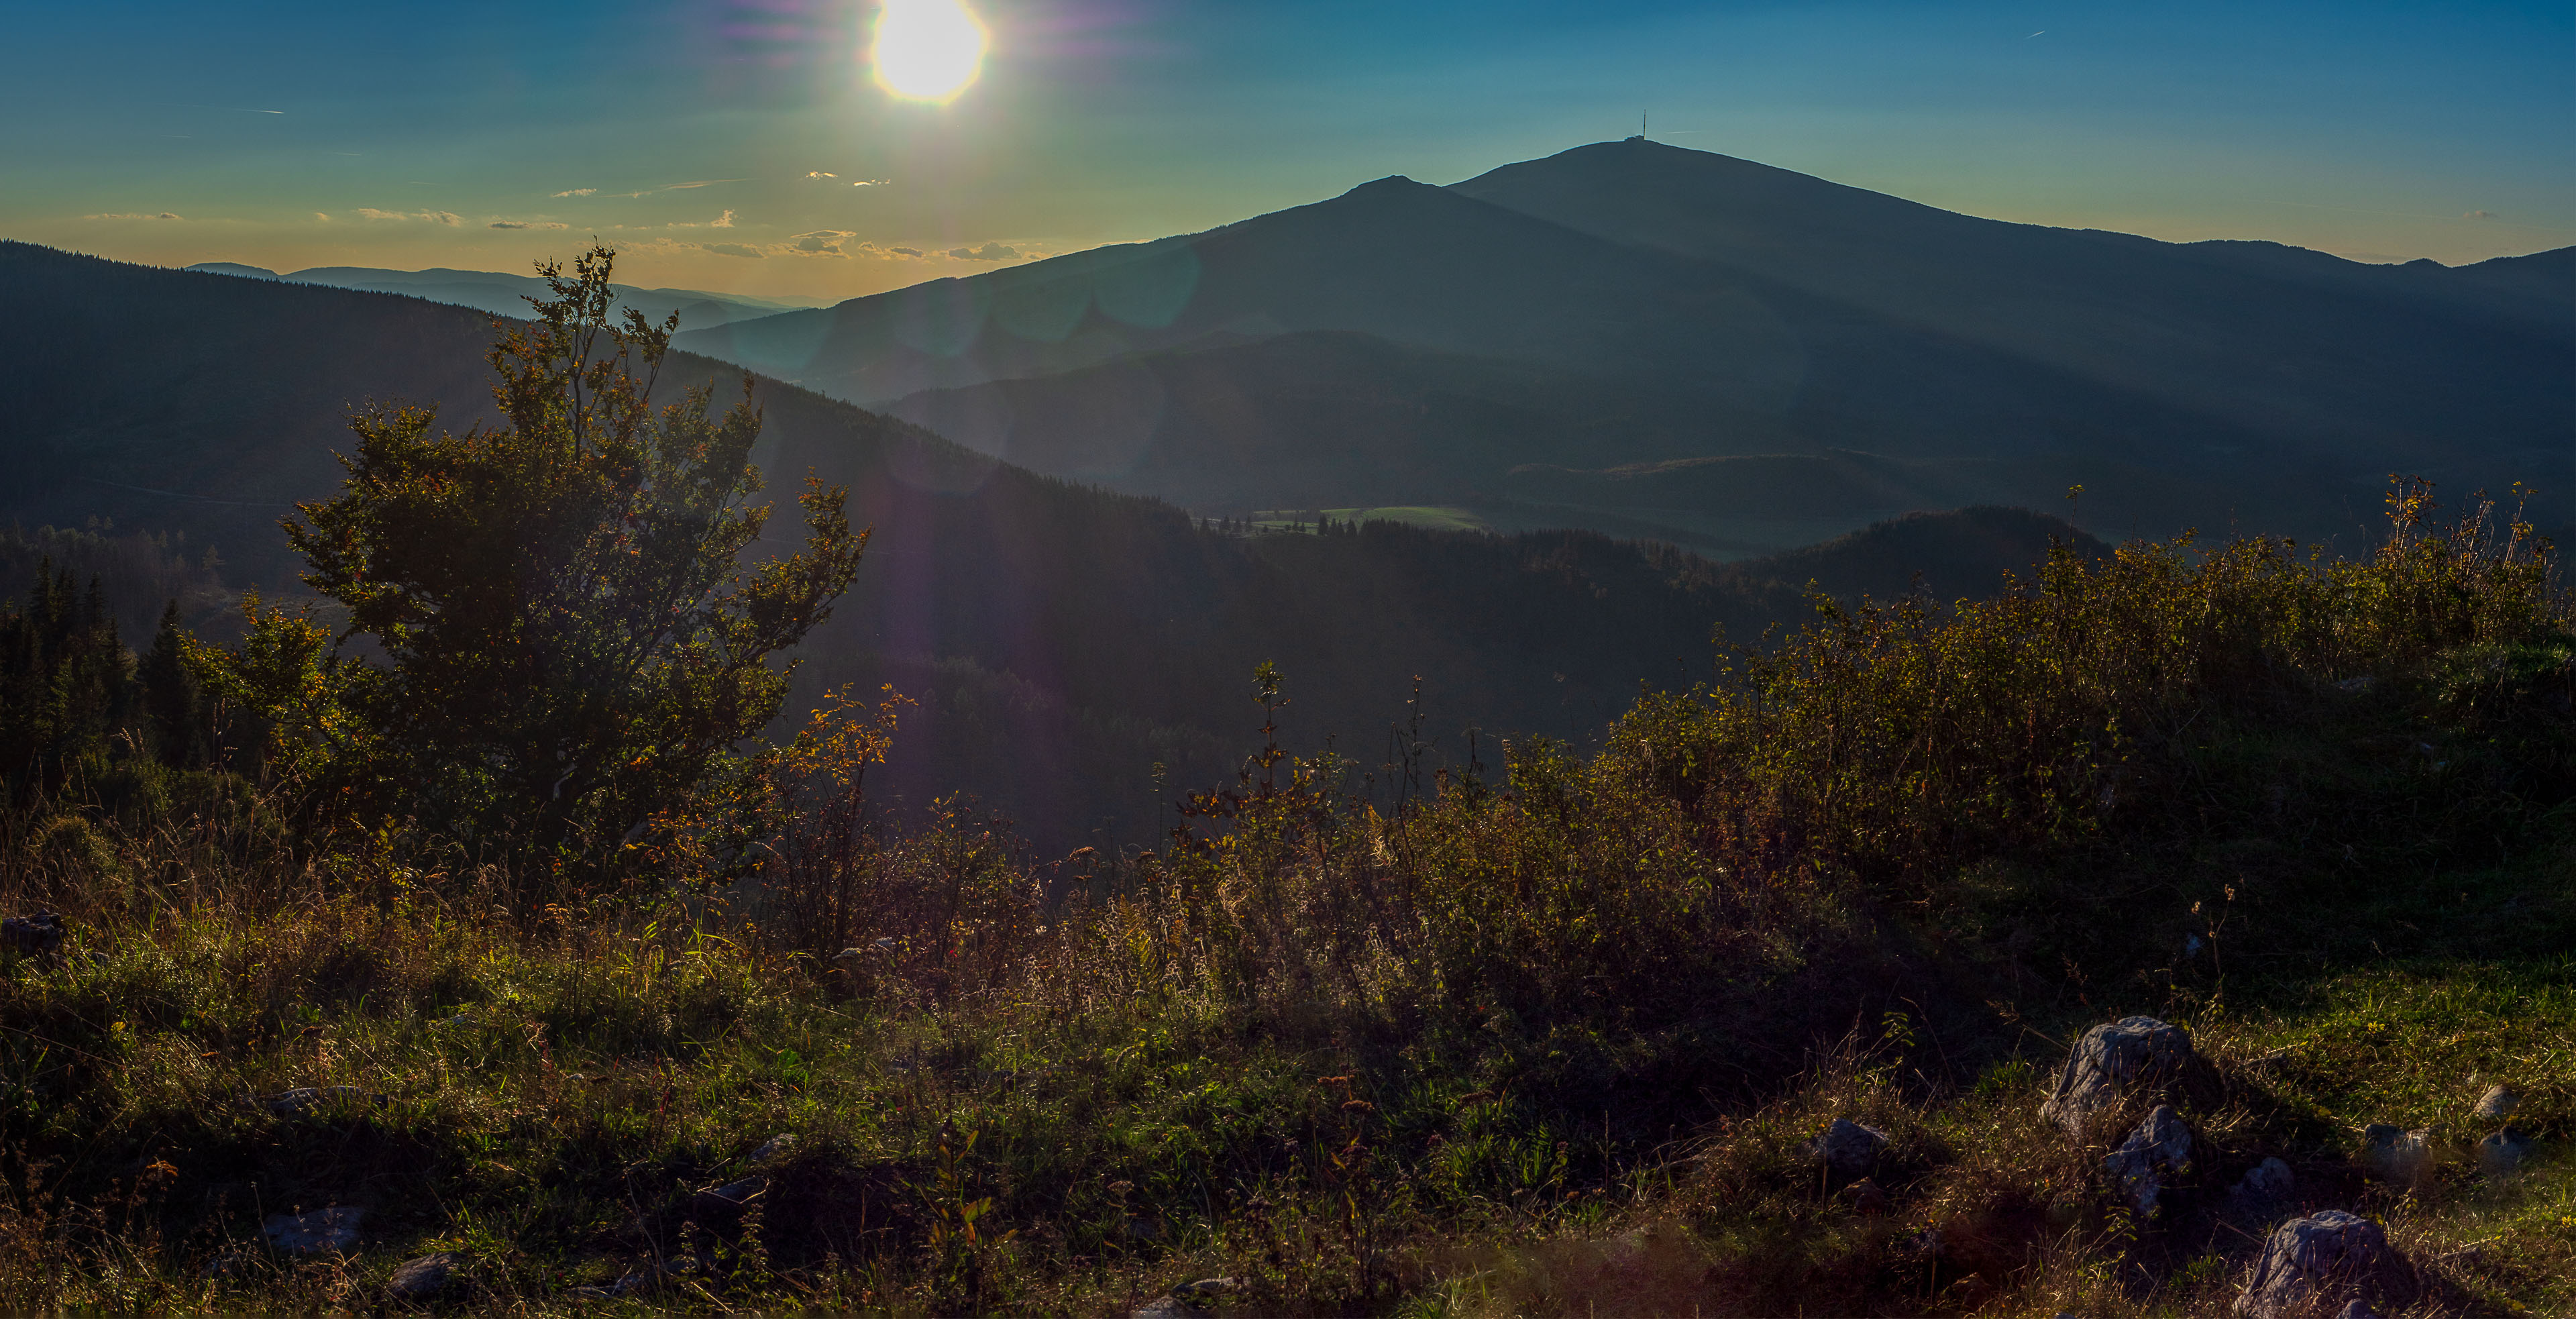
<point>928,50</point>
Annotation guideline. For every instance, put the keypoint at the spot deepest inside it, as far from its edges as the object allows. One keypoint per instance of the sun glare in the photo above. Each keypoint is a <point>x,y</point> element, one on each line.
<point>927,50</point>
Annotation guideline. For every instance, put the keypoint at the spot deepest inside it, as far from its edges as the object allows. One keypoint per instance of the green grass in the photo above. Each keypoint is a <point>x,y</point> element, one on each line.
<point>1547,1039</point>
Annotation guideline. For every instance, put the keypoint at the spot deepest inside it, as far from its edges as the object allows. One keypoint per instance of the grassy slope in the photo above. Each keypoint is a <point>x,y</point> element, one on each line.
<point>1537,1050</point>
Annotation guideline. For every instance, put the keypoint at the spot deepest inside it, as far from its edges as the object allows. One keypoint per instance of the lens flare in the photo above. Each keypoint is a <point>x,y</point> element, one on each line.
<point>927,50</point>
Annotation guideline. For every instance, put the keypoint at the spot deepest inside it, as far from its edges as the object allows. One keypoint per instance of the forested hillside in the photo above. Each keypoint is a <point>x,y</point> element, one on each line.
<point>1063,641</point>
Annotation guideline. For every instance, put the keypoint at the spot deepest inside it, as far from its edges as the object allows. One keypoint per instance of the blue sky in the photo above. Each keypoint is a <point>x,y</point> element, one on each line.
<point>686,131</point>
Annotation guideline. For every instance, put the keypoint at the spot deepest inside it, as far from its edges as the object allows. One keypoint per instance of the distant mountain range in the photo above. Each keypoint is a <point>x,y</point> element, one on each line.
<point>506,295</point>
<point>1573,339</point>
<point>1064,641</point>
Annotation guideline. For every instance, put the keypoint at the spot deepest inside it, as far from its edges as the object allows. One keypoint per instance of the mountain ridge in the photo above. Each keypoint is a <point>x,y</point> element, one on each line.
<point>1790,313</point>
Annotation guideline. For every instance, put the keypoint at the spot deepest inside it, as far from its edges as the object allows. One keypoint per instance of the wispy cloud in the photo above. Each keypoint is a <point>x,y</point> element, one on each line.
<point>869,183</point>
<point>433,217</point>
<point>733,249</point>
<point>2478,215</point>
<point>138,215</point>
<point>820,174</point>
<point>576,192</point>
<point>323,216</point>
<point>988,252</point>
<point>527,224</point>
<point>724,221</point>
<point>247,110</point>
<point>905,251</point>
<point>647,192</point>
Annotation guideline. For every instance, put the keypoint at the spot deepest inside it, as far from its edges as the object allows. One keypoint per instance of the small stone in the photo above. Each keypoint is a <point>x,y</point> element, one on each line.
<point>771,1150</point>
<point>2131,1055</point>
<point>1868,1199</point>
<point>306,1099</point>
<point>420,1279</point>
<point>2498,1103</point>
<point>2396,1155</point>
<point>2158,1150</point>
<point>40,932</point>
<point>2324,1262</point>
<point>729,1199</point>
<point>1847,1147</point>
<point>2500,1154</point>
<point>1208,1288</point>
<point>321,1232</point>
<point>2264,1185</point>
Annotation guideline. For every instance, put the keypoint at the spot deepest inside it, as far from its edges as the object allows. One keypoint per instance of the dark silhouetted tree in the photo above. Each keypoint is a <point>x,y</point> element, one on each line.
<point>573,646</point>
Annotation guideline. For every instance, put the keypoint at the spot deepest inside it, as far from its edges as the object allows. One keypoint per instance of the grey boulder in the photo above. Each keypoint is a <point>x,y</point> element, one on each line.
<point>2155,1154</point>
<point>2131,1056</point>
<point>2324,1263</point>
<point>2498,1102</point>
<point>1847,1147</point>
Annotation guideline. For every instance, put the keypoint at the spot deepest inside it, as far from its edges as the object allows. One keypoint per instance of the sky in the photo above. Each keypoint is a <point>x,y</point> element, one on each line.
<point>748,145</point>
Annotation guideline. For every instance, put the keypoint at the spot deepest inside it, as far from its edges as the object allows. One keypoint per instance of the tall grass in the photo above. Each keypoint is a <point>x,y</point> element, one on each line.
<point>1512,1042</point>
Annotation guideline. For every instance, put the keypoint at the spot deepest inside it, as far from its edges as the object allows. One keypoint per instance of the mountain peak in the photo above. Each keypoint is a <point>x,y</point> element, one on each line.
<point>1390,184</point>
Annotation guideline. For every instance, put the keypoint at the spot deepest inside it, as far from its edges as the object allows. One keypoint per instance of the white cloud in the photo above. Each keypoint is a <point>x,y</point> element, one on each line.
<point>576,192</point>
<point>733,249</point>
<point>820,174</point>
<point>870,183</point>
<point>988,252</point>
<point>2479,215</point>
<point>905,251</point>
<point>528,224</point>
<point>138,215</point>
<point>433,217</point>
